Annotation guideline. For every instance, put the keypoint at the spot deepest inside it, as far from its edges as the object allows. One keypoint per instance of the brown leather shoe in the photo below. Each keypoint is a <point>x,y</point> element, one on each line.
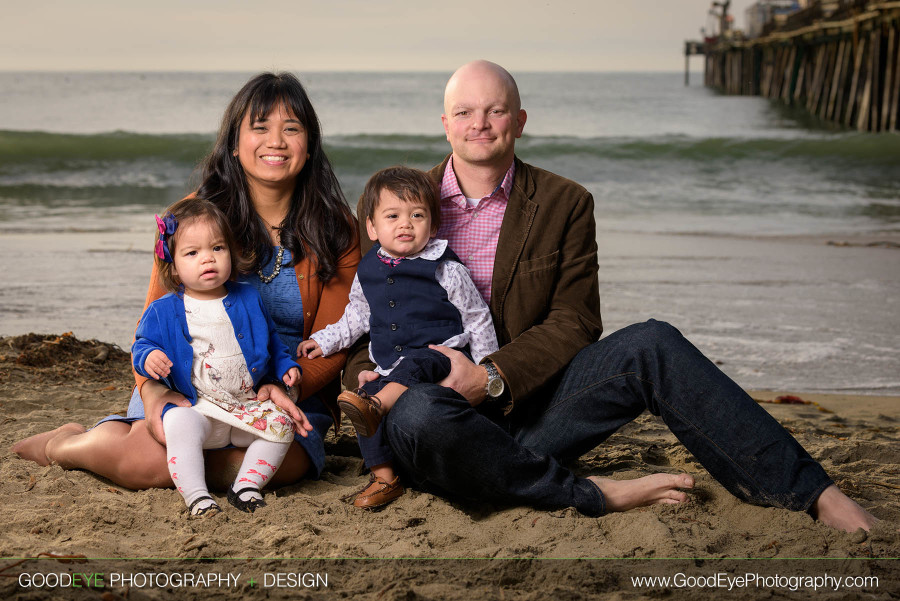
<point>379,493</point>
<point>363,410</point>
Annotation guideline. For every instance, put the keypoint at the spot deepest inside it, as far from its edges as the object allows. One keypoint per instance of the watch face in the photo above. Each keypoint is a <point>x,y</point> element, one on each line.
<point>495,387</point>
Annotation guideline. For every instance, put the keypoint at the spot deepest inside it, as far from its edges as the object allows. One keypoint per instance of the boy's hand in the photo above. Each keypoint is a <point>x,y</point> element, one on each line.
<point>310,349</point>
<point>366,375</point>
<point>157,364</point>
<point>292,377</point>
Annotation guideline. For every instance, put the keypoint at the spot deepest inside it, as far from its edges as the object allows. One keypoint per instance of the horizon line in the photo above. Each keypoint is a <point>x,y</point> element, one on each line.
<point>342,71</point>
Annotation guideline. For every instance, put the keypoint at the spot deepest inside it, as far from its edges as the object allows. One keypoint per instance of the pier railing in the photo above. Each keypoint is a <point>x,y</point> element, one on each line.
<point>843,68</point>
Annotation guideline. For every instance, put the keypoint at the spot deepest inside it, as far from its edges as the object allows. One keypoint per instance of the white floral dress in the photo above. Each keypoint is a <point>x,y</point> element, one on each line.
<point>221,378</point>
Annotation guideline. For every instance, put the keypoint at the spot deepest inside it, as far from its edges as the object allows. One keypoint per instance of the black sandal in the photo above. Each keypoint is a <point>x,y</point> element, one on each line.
<point>247,506</point>
<point>205,510</point>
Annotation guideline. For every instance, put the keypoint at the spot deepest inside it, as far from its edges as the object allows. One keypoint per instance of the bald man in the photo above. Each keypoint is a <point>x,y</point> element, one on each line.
<point>502,430</point>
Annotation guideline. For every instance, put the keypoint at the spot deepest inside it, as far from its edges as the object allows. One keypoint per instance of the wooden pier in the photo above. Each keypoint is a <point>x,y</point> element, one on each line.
<point>843,68</point>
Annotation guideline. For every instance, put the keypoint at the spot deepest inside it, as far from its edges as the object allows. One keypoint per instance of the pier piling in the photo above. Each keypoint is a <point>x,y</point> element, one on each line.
<point>840,63</point>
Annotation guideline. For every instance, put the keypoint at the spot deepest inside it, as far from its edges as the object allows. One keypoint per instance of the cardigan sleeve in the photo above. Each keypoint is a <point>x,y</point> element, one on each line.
<point>334,297</point>
<point>154,291</point>
<point>145,342</point>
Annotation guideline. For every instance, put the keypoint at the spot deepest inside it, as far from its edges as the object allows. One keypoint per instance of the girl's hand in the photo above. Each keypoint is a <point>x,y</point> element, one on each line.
<point>157,364</point>
<point>292,377</point>
<point>309,349</point>
<point>277,395</point>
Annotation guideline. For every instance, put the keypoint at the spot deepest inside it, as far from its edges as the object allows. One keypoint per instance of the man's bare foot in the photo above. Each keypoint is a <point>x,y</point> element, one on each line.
<point>834,508</point>
<point>34,448</point>
<point>622,495</point>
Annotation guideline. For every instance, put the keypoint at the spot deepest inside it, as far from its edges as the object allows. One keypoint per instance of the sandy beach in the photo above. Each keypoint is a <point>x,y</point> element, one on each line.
<point>424,547</point>
<point>788,313</point>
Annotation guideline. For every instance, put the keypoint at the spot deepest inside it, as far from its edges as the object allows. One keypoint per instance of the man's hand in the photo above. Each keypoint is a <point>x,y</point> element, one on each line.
<point>271,392</point>
<point>155,396</point>
<point>157,364</point>
<point>366,375</point>
<point>466,378</point>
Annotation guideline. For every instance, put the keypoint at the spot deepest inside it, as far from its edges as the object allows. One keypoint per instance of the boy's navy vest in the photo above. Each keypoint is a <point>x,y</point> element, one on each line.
<point>409,309</point>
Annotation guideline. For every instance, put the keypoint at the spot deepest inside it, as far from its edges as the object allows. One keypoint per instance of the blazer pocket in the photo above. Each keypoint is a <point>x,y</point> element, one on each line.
<point>529,296</point>
<point>539,264</point>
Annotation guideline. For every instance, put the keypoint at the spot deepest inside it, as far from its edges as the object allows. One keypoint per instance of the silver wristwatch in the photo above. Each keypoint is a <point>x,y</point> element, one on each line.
<point>495,384</point>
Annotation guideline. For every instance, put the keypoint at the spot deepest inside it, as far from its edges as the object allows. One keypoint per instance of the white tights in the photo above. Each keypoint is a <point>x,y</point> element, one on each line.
<point>188,432</point>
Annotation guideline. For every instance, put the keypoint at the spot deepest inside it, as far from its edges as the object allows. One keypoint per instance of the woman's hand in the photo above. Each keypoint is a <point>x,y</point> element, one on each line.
<point>271,392</point>
<point>155,396</point>
<point>309,349</point>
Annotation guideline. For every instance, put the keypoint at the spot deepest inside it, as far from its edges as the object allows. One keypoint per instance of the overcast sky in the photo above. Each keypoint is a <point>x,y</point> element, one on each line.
<point>349,35</point>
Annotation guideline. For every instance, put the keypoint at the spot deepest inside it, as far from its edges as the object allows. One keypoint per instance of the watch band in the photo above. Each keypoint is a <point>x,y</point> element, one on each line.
<point>495,384</point>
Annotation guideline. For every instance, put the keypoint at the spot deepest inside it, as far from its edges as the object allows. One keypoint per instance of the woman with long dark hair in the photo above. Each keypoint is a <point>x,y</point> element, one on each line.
<point>269,174</point>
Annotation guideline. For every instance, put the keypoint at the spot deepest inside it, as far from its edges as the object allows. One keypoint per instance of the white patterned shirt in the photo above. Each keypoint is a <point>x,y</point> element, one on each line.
<point>478,328</point>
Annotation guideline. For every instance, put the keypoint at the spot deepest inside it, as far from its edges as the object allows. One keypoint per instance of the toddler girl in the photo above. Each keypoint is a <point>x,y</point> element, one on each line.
<point>211,340</point>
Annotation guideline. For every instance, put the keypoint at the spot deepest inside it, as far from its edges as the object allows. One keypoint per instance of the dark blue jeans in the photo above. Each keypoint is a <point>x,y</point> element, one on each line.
<point>443,445</point>
<point>418,365</point>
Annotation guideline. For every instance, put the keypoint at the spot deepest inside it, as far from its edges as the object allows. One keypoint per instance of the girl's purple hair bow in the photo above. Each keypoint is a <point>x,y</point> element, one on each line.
<point>167,226</point>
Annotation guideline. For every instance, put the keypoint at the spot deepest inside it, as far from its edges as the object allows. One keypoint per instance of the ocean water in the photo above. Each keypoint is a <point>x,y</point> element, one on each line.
<point>95,150</point>
<point>99,153</point>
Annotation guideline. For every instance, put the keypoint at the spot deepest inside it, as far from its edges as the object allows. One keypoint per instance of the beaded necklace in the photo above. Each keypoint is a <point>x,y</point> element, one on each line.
<point>268,278</point>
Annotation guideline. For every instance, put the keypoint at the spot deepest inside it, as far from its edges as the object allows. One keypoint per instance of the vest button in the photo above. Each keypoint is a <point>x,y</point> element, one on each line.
<point>391,304</point>
<point>390,280</point>
<point>241,336</point>
<point>398,348</point>
<point>394,326</point>
<point>253,370</point>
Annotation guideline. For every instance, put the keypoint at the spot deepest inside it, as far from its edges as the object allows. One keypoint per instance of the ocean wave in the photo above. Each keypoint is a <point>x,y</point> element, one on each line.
<point>23,147</point>
<point>51,151</point>
<point>862,148</point>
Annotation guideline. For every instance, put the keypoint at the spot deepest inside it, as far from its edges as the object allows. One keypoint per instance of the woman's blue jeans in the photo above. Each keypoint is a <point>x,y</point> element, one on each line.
<point>444,445</point>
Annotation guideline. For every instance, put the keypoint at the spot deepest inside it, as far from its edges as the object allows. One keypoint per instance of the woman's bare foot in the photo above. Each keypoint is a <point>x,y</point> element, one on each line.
<point>34,448</point>
<point>622,495</point>
<point>834,508</point>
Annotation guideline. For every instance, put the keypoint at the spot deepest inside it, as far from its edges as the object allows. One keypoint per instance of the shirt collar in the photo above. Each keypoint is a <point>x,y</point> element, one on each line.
<point>432,251</point>
<point>450,185</point>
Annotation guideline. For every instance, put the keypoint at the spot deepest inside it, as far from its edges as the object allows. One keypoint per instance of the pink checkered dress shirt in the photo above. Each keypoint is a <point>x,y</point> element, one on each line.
<point>473,232</point>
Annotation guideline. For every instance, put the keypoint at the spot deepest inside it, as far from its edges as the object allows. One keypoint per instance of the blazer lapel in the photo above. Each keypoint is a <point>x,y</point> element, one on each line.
<point>517,222</point>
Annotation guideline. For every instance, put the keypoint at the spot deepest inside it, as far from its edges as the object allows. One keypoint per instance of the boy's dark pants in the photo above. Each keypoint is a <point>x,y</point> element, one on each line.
<point>418,366</point>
